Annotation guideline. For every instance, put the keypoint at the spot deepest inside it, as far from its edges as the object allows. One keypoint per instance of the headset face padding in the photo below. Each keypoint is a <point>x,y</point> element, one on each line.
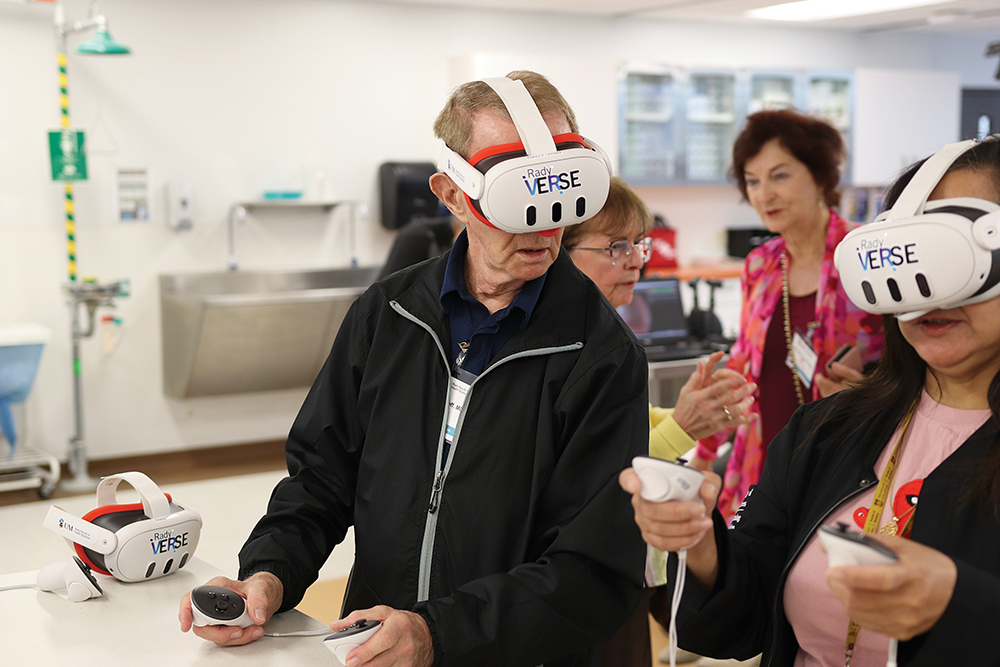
<point>112,517</point>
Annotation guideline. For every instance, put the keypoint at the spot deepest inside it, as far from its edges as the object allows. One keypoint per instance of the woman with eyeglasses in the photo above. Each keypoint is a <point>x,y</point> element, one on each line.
<point>611,249</point>
<point>795,312</point>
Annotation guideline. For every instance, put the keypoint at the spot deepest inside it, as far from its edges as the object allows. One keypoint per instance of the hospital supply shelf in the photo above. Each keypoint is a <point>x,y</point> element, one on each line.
<point>304,204</point>
<point>239,211</point>
<point>22,467</point>
<point>28,468</point>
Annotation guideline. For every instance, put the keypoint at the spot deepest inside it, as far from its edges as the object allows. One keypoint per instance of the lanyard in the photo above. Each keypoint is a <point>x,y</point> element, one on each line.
<point>875,515</point>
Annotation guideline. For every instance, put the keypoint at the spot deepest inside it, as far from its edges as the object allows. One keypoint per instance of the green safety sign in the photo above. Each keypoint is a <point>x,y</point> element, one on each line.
<point>69,155</point>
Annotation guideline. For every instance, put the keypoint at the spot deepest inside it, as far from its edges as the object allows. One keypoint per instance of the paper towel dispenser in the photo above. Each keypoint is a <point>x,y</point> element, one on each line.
<point>406,192</point>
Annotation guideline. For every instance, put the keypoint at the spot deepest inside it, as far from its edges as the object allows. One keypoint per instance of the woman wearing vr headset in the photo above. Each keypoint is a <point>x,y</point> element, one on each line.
<point>925,424</point>
<point>611,249</point>
<point>795,312</point>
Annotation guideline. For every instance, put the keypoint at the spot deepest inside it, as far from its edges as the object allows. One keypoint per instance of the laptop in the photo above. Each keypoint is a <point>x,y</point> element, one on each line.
<point>656,316</point>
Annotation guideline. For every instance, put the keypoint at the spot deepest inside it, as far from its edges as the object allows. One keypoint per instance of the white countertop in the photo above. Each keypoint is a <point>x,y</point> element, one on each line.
<point>135,625</point>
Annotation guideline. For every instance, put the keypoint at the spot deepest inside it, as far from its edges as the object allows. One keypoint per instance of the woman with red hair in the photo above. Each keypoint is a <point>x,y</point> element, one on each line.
<point>795,313</point>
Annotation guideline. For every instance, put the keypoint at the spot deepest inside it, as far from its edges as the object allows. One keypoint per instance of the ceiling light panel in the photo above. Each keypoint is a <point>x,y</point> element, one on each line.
<point>824,10</point>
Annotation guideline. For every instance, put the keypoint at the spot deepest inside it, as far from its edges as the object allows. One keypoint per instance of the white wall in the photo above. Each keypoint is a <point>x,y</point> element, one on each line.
<point>235,96</point>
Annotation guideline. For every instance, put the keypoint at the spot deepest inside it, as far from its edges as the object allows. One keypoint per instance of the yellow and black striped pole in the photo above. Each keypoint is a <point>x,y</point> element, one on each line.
<point>68,185</point>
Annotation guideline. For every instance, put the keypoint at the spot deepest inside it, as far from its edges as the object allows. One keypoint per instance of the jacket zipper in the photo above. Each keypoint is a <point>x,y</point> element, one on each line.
<point>434,503</point>
<point>436,492</point>
<point>865,484</point>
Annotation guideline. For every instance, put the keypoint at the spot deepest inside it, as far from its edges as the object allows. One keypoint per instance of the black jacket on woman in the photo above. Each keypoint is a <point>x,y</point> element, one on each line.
<point>803,481</point>
<point>522,550</point>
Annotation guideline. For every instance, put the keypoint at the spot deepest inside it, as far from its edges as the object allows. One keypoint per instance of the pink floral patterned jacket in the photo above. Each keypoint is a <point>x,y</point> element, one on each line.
<point>840,322</point>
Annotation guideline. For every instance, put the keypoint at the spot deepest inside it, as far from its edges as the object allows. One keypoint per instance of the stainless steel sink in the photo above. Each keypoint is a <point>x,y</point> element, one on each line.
<point>243,331</point>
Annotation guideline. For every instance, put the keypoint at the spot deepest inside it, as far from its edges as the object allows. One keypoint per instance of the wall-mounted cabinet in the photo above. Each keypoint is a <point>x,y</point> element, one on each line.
<point>678,126</point>
<point>709,125</point>
<point>649,126</point>
<point>773,90</point>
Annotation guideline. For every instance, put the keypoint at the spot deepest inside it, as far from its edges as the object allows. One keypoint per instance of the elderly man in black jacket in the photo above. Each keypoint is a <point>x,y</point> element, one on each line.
<point>470,423</point>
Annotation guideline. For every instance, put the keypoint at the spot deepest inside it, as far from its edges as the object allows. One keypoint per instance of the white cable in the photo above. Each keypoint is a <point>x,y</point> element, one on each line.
<point>675,604</point>
<point>10,588</point>
<point>893,647</point>
<point>303,633</point>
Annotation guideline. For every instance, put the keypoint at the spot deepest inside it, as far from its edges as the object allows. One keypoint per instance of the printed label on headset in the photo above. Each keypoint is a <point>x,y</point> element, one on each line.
<point>543,181</point>
<point>80,531</point>
<point>164,542</point>
<point>874,254</point>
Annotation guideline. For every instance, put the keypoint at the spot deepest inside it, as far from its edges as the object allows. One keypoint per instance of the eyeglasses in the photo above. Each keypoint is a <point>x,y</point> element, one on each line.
<point>621,250</point>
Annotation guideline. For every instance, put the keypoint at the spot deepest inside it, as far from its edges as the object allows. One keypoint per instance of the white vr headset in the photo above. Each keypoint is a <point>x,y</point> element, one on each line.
<point>132,542</point>
<point>542,183</point>
<point>919,256</point>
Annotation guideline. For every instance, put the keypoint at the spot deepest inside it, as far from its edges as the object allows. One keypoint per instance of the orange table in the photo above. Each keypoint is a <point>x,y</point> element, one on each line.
<point>719,271</point>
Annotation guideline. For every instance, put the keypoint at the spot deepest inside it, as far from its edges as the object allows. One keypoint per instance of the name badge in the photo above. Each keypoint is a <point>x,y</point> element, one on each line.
<point>805,358</point>
<point>456,399</point>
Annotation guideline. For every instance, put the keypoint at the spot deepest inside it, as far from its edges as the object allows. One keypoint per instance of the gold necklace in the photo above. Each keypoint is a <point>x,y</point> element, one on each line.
<point>788,327</point>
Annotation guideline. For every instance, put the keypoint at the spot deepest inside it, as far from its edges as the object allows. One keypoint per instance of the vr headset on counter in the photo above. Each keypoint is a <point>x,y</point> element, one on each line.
<point>131,542</point>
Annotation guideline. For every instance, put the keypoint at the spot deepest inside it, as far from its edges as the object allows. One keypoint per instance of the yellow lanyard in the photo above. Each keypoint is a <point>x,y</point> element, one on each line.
<point>874,516</point>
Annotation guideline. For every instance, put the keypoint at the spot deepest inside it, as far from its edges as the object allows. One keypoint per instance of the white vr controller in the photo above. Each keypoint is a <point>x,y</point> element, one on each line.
<point>341,643</point>
<point>664,480</point>
<point>846,547</point>
<point>216,605</point>
<point>73,575</point>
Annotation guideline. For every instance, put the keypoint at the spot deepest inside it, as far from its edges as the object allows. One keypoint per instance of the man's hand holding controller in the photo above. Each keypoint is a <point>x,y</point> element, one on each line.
<point>262,595</point>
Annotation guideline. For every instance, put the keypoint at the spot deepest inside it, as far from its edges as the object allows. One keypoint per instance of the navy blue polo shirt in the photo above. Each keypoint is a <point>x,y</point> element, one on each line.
<point>472,323</point>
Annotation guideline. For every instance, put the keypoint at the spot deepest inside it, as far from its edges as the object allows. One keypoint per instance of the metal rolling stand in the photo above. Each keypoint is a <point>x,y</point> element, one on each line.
<point>21,466</point>
<point>27,468</point>
<point>91,295</point>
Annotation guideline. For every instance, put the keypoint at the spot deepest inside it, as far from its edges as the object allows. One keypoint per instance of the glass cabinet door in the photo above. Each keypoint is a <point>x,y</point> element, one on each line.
<point>771,91</point>
<point>678,125</point>
<point>710,124</point>
<point>648,144</point>
<point>830,96</point>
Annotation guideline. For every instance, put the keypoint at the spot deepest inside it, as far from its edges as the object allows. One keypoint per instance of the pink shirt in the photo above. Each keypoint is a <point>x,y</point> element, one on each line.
<point>817,617</point>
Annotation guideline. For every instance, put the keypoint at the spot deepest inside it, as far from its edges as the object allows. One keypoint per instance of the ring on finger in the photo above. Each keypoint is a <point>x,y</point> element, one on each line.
<point>729,415</point>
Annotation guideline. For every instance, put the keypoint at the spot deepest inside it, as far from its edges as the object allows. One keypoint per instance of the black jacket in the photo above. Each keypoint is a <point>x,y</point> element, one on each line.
<point>799,487</point>
<point>523,550</point>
